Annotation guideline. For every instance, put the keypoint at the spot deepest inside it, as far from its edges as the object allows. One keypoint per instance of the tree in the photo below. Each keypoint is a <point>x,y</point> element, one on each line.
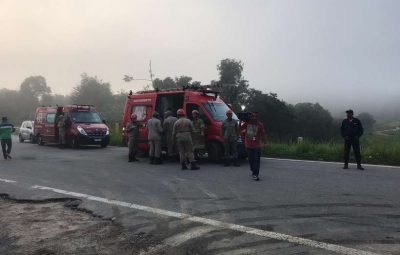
<point>277,116</point>
<point>234,88</point>
<point>313,121</point>
<point>35,86</point>
<point>183,81</point>
<point>167,83</point>
<point>367,120</point>
<point>94,91</point>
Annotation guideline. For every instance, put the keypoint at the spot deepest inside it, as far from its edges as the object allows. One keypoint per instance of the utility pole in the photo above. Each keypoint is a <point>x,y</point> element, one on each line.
<point>151,73</point>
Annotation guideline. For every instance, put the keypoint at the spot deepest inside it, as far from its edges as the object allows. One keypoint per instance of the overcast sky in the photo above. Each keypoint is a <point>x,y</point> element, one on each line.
<point>333,52</point>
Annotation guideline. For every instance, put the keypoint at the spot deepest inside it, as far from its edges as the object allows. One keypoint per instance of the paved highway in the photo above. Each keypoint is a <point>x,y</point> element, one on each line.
<point>298,207</point>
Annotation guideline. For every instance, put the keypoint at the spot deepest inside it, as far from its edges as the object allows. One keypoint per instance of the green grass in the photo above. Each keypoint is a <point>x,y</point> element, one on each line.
<point>115,135</point>
<point>374,149</point>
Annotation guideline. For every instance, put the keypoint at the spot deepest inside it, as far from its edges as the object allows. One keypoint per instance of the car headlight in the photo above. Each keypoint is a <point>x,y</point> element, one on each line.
<point>107,131</point>
<point>81,130</point>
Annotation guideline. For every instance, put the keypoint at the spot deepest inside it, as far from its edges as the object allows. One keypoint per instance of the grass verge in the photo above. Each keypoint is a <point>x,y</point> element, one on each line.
<point>374,150</point>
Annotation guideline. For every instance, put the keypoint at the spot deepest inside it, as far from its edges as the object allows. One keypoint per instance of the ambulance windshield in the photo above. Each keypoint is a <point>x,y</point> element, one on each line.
<point>85,117</point>
<point>218,110</point>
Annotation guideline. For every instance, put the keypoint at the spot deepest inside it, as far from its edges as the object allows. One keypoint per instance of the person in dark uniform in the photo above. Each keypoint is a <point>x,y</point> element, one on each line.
<point>133,133</point>
<point>351,132</point>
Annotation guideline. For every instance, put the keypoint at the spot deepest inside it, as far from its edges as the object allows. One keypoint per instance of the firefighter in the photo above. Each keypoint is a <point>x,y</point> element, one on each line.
<point>61,129</point>
<point>182,131</point>
<point>155,130</point>
<point>5,137</point>
<point>133,134</point>
<point>168,126</point>
<point>351,131</point>
<point>198,134</point>
<point>254,137</point>
<point>230,135</point>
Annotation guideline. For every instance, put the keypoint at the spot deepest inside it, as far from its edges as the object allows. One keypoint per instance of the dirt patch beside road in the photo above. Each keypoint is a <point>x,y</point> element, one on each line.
<point>57,227</point>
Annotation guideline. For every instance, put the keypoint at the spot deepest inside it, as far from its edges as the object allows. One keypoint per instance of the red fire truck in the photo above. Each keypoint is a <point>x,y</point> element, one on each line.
<point>211,107</point>
<point>84,125</point>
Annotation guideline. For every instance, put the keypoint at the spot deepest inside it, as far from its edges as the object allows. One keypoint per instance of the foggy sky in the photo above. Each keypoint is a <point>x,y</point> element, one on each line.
<point>339,53</point>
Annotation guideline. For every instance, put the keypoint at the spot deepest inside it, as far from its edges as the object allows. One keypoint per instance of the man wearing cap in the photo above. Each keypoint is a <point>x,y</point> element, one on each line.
<point>254,137</point>
<point>5,137</point>
<point>61,129</point>
<point>155,131</point>
<point>168,126</point>
<point>182,131</point>
<point>133,135</point>
<point>198,133</point>
<point>230,135</point>
<point>351,131</point>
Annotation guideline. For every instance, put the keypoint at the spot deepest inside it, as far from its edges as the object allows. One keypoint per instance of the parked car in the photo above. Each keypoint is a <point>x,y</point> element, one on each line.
<point>26,132</point>
<point>84,126</point>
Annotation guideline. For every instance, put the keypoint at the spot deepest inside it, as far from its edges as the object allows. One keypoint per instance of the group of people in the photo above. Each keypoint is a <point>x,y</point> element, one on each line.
<point>188,137</point>
<point>181,133</point>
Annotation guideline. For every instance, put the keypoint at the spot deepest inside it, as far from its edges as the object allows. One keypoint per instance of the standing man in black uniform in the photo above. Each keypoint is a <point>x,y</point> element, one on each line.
<point>351,131</point>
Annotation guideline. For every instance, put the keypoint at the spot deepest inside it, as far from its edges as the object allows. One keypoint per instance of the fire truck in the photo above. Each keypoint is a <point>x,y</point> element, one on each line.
<point>84,126</point>
<point>211,107</point>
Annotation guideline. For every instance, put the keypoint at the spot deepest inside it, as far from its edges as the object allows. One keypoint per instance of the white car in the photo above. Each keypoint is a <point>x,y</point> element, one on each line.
<point>26,132</point>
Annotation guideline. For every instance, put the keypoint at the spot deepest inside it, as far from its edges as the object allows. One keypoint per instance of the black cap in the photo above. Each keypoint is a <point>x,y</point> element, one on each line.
<point>350,111</point>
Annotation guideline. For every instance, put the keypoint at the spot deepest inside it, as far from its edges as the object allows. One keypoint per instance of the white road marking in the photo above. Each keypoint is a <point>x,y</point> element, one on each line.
<point>325,162</point>
<point>7,181</point>
<point>215,223</point>
<point>180,238</point>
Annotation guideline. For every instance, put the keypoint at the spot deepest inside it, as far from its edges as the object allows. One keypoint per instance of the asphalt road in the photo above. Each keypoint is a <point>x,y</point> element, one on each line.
<point>318,202</point>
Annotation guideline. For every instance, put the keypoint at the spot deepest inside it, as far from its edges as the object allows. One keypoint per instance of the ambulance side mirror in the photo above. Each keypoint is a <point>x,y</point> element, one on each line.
<point>104,121</point>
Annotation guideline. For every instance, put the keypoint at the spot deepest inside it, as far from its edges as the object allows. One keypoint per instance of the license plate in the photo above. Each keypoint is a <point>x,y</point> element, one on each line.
<point>97,140</point>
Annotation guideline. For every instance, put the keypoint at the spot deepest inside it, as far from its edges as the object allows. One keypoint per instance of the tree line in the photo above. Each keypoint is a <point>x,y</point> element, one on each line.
<point>283,122</point>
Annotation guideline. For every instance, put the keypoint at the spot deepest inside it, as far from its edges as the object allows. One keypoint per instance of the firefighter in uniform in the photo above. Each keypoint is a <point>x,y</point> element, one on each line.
<point>155,130</point>
<point>198,134</point>
<point>61,129</point>
<point>182,131</point>
<point>230,135</point>
<point>351,131</point>
<point>133,134</point>
<point>168,126</point>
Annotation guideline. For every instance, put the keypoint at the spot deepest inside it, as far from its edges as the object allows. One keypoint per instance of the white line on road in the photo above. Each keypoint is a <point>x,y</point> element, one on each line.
<point>325,162</point>
<point>224,225</point>
<point>7,181</point>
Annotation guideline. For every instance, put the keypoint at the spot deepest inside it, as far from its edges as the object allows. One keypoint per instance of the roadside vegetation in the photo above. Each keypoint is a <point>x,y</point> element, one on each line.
<point>284,122</point>
<point>375,149</point>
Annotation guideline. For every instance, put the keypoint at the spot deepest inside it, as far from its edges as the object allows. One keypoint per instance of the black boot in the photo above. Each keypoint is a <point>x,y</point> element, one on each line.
<point>346,166</point>
<point>193,166</point>
<point>151,160</point>
<point>227,162</point>
<point>130,158</point>
<point>157,161</point>
<point>134,158</point>
<point>184,167</point>
<point>359,167</point>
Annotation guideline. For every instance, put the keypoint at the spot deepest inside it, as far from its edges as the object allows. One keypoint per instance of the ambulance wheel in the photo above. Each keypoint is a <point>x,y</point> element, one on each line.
<point>215,152</point>
<point>32,139</point>
<point>75,142</point>
<point>39,140</point>
<point>21,139</point>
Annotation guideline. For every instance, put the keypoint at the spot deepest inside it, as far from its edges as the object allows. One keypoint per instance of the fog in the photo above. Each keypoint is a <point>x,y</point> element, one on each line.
<point>342,54</point>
